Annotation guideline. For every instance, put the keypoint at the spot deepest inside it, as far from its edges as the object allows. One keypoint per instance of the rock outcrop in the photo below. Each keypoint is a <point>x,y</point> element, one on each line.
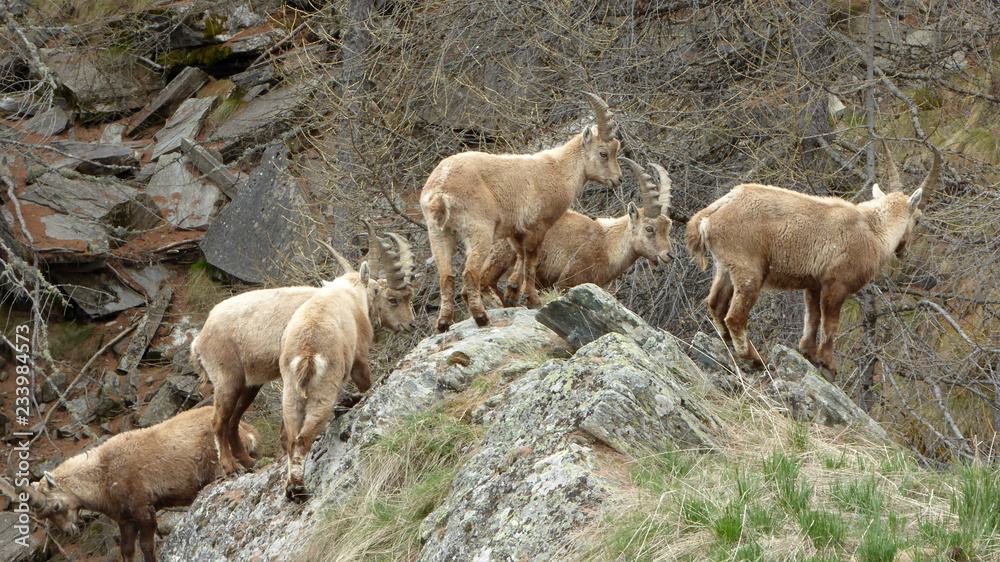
<point>536,475</point>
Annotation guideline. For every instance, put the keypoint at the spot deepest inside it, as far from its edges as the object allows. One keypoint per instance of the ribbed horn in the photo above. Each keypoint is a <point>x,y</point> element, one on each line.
<point>394,275</point>
<point>374,251</point>
<point>664,184</point>
<point>647,189</point>
<point>930,182</point>
<point>895,184</point>
<point>405,258</point>
<point>341,260</point>
<point>605,118</point>
<point>36,499</point>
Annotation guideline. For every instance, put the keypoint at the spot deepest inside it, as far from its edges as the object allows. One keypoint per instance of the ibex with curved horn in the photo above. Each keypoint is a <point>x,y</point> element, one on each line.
<point>326,340</point>
<point>765,237</point>
<point>478,197</point>
<point>131,476</point>
<point>239,346</point>
<point>579,249</point>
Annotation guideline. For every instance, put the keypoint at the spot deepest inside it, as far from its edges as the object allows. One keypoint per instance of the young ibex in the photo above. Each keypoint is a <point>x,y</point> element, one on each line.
<point>326,340</point>
<point>579,249</point>
<point>239,346</point>
<point>765,237</point>
<point>130,477</point>
<point>478,197</point>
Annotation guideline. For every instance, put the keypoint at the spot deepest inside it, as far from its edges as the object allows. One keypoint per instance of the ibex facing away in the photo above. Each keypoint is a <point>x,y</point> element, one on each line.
<point>478,197</point>
<point>131,476</point>
<point>765,237</point>
<point>239,346</point>
<point>579,249</point>
<point>326,340</point>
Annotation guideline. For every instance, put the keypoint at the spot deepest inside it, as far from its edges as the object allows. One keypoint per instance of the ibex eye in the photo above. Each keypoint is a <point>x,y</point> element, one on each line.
<point>604,155</point>
<point>649,229</point>
<point>392,302</point>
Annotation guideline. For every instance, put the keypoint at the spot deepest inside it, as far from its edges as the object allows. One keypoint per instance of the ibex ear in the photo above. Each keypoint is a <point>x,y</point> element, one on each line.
<point>633,213</point>
<point>364,273</point>
<point>914,201</point>
<point>50,479</point>
<point>877,192</point>
<point>588,135</point>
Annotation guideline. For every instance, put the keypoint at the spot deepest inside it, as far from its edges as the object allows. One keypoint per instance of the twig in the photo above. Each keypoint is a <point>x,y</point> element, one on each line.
<point>914,110</point>
<point>4,175</point>
<point>277,45</point>
<point>62,396</point>
<point>947,317</point>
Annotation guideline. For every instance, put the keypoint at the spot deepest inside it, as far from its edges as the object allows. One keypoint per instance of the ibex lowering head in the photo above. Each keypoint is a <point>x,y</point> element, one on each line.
<point>579,249</point>
<point>478,197</point>
<point>131,476</point>
<point>239,346</point>
<point>765,237</point>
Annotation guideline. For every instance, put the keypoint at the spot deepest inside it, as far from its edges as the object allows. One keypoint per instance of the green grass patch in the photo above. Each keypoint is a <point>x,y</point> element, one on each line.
<point>824,528</point>
<point>74,341</point>
<point>406,475</point>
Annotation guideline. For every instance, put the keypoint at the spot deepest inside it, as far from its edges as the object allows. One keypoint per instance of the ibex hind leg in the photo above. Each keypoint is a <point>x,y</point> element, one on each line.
<point>718,301</point>
<point>478,250</point>
<point>443,248</point>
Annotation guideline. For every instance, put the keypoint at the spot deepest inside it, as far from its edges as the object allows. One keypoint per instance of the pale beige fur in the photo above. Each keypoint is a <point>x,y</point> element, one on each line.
<point>477,197</point>
<point>134,474</point>
<point>326,340</point>
<point>579,249</point>
<point>239,346</point>
<point>766,237</point>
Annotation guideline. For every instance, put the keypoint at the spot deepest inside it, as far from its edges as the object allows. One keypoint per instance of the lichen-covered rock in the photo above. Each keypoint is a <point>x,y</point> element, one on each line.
<point>537,474</point>
<point>532,483</point>
<point>799,385</point>
<point>246,517</point>
<point>789,379</point>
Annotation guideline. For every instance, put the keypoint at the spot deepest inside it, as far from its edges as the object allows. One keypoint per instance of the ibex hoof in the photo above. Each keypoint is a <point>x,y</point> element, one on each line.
<point>296,493</point>
<point>443,325</point>
<point>482,319</point>
<point>830,376</point>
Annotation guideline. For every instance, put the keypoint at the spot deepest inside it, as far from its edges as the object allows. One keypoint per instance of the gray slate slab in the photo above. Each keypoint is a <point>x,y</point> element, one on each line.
<point>183,86</point>
<point>185,122</point>
<point>186,200</point>
<point>49,122</point>
<point>253,235</point>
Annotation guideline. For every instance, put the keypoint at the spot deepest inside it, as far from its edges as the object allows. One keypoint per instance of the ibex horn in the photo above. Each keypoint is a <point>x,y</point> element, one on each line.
<point>374,251</point>
<point>405,259</point>
<point>36,499</point>
<point>931,181</point>
<point>394,275</point>
<point>605,118</point>
<point>647,189</point>
<point>664,185</point>
<point>895,184</point>
<point>341,260</point>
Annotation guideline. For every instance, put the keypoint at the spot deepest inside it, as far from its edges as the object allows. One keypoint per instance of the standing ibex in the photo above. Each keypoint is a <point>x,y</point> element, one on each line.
<point>239,345</point>
<point>478,197</point>
<point>579,249</point>
<point>765,237</point>
<point>130,477</point>
<point>326,340</point>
